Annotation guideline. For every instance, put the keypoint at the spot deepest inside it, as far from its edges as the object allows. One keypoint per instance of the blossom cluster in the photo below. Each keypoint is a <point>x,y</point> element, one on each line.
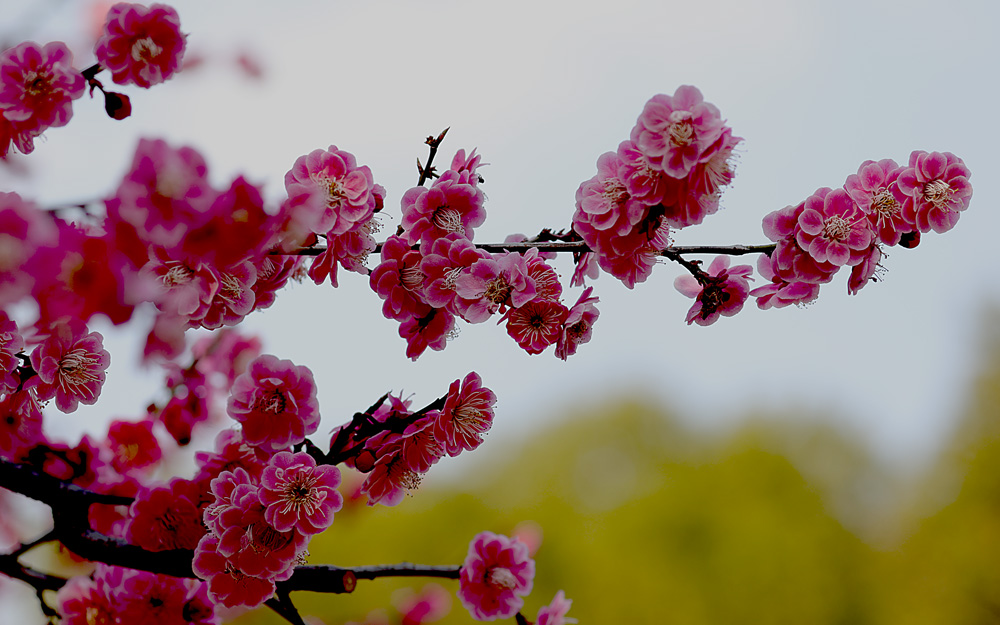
<point>670,174</point>
<point>884,204</point>
<point>139,45</point>
<point>432,274</point>
<point>407,444</point>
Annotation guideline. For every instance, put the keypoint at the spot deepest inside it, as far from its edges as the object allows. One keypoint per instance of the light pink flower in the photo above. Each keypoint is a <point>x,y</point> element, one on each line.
<point>874,189</point>
<point>789,262</point>
<point>496,573</point>
<point>448,257</point>
<point>447,206</point>
<point>936,190</point>
<point>37,88</point>
<point>493,284</point>
<point>605,204</point>
<point>71,366</point>
<point>780,292</point>
<point>467,415</point>
<point>275,401</point>
<point>349,194</point>
<point>431,604</point>
<point>141,45</point>
<point>579,324</point>
<point>674,132</point>
<point>833,229</point>
<point>721,291</point>
<point>24,231</point>
<point>555,612</point>
<point>298,494</point>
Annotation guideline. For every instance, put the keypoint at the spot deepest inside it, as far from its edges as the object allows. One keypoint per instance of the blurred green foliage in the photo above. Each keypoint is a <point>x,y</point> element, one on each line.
<point>782,521</point>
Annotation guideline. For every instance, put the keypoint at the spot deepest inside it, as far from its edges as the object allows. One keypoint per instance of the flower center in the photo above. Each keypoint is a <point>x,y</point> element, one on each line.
<point>230,286</point>
<point>448,219</point>
<point>37,83</point>
<point>885,204</point>
<point>271,401</point>
<point>177,275</point>
<point>498,290</point>
<point>450,277</point>
<point>77,368</point>
<point>836,228</point>
<point>300,493</point>
<point>412,278</point>
<point>938,193</point>
<point>681,130</point>
<point>127,453</point>
<point>500,577</point>
<point>615,192</point>
<point>145,50</point>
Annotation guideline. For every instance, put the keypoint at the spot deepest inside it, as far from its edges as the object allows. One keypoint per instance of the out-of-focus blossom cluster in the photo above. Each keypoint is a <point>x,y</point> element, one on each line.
<point>139,45</point>
<point>432,274</point>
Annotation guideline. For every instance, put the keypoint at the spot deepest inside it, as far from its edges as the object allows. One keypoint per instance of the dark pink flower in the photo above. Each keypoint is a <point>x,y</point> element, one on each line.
<point>71,366</point>
<point>431,328</point>
<point>722,290</point>
<point>496,573</point>
<point>936,189</point>
<point>166,518</point>
<point>674,132</point>
<point>133,446</point>
<point>431,604</point>
<point>226,584</point>
<point>833,229</point>
<point>391,477</point>
<point>467,415</point>
<point>555,612</point>
<point>789,262</point>
<point>399,280</point>
<point>24,230</point>
<point>83,602</point>
<point>537,324</point>
<point>252,544</point>
<point>11,343</point>
<point>275,401</point>
<point>298,494</point>
<point>37,88</point>
<point>141,45</point>
<point>20,425</point>
<point>605,204</point>
<point>579,324</point>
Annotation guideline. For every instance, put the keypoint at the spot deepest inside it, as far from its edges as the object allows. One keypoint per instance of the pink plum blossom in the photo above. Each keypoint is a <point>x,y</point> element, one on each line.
<point>496,573</point>
<point>555,612</point>
<point>37,87</point>
<point>399,280</point>
<point>936,189</point>
<point>447,206</point>
<point>428,329</point>
<point>348,191</point>
<point>133,445</point>
<point>780,292</point>
<point>298,494</point>
<point>494,284</point>
<point>226,583</point>
<point>275,401</point>
<point>874,189</point>
<point>537,324</point>
<point>446,260</point>
<point>604,203</point>
<point>467,415</point>
<point>141,45</point>
<point>833,229</point>
<point>11,343</point>
<point>579,324</point>
<point>166,518</point>
<point>431,604</point>
<point>674,132</point>
<point>71,366</point>
<point>722,290</point>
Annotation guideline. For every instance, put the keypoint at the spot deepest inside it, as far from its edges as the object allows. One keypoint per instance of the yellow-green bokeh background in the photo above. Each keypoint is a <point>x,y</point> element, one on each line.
<point>782,521</point>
